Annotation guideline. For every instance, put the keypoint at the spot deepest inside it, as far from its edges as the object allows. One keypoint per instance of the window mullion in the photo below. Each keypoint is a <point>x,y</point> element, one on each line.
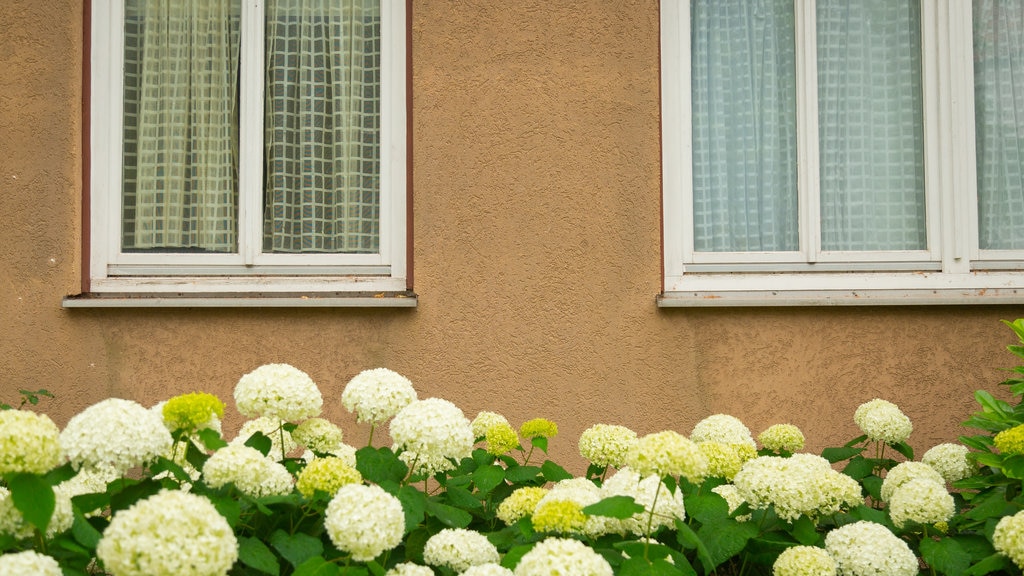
<point>250,163</point>
<point>807,130</point>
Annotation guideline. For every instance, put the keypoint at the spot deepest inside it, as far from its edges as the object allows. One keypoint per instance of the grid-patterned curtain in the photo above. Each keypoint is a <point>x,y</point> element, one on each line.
<point>870,123</point>
<point>181,130</point>
<point>999,109</point>
<point>744,125</point>
<point>322,165</point>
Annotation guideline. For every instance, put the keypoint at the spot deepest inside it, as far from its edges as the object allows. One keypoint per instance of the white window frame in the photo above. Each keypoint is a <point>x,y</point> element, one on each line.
<point>250,270</point>
<point>951,270</point>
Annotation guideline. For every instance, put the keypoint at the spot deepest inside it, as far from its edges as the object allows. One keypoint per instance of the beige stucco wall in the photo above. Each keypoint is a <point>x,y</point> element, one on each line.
<point>537,257</point>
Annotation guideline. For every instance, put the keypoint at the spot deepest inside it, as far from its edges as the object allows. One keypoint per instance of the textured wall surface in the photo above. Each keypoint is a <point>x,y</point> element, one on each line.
<point>537,257</point>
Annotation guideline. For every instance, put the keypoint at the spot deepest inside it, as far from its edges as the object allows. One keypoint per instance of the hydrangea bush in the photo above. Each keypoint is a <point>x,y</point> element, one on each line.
<point>128,490</point>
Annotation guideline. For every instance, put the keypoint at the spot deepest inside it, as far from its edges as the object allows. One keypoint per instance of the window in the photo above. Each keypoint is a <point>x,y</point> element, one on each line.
<point>840,152</point>
<point>248,146</point>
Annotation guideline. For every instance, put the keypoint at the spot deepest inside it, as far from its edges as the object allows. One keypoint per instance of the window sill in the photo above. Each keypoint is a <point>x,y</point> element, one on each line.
<point>243,300</point>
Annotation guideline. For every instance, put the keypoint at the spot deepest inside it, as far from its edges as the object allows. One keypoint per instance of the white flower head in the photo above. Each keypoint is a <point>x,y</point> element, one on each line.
<point>921,500</point>
<point>904,472</point>
<point>607,444</point>
<point>29,562</point>
<point>804,561</point>
<point>377,394</point>
<point>13,523</point>
<point>883,421</point>
<point>459,549</point>
<point>409,569</point>
<point>487,570</point>
<point>319,435</point>
<point>484,420</point>
<point>722,428</point>
<point>661,507</point>
<point>431,434</point>
<point>364,521</point>
<point>562,556</point>
<point>667,453</point>
<point>278,391</point>
<point>29,442</point>
<point>800,484</point>
<point>950,460</point>
<point>582,492</point>
<point>868,549</point>
<point>281,441</point>
<point>779,437</point>
<point>171,533</point>
<point>249,470</point>
<point>1008,538</point>
<point>115,433</point>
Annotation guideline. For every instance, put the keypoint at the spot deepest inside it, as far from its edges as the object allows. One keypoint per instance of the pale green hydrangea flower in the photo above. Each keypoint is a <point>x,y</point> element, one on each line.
<point>661,507</point>
<point>538,428</point>
<point>868,549</point>
<point>29,442</point>
<point>409,569</point>
<point>1010,441</point>
<point>606,444</point>
<point>326,474</point>
<point>883,421</point>
<point>668,453</point>
<point>114,433</point>
<point>281,440</point>
<point>279,392</point>
<point>249,470</point>
<point>562,556</point>
<point>487,570</point>
<point>171,533</point>
<point>501,438</point>
<point>485,420</point>
<point>520,504</point>
<point>904,472</point>
<point>319,435</point>
<point>29,563</point>
<point>950,460</point>
<point>432,435</point>
<point>581,492</point>
<point>722,428</point>
<point>921,500</point>
<point>192,411</point>
<point>725,460</point>
<point>559,517</point>
<point>377,394</point>
<point>800,484</point>
<point>459,549</point>
<point>364,521</point>
<point>779,437</point>
<point>804,561</point>
<point>1008,538</point>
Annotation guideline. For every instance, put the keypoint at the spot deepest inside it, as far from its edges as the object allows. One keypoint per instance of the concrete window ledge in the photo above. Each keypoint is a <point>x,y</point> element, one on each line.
<point>243,300</point>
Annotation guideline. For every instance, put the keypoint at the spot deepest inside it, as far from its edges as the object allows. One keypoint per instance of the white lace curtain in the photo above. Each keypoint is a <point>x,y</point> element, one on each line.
<point>321,164</point>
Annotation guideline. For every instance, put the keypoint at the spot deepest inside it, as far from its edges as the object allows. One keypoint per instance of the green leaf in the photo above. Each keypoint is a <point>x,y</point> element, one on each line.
<point>615,507</point>
<point>993,405</point>
<point>904,449</point>
<point>725,539</point>
<point>540,442</point>
<point>520,474</point>
<point>945,555</point>
<point>805,531</point>
<point>982,443</point>
<point>834,455</point>
<point>1013,466</point>
<point>296,548</point>
<point>996,563</point>
<point>414,503</point>
<point>260,441</point>
<point>689,539</point>
<point>514,555</point>
<point>488,477</point>
<point>84,533</point>
<point>553,472</point>
<point>461,498</point>
<point>211,438</point>
<point>449,515</point>
<point>638,566</point>
<point>380,465</point>
<point>317,567</point>
<point>859,467</point>
<point>706,507</point>
<point>33,497</point>
<point>254,553</point>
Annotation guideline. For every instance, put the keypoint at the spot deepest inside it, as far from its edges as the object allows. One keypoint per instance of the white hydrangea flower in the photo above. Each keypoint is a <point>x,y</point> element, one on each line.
<point>1008,538</point>
<point>779,437</point>
<point>732,497</point>
<point>249,470</point>
<point>804,561</point>
<point>29,442</point>
<point>868,549</point>
<point>13,523</point>
<point>667,453</point>
<point>883,421</point>
<point>92,480</point>
<point>278,391</point>
<point>364,521</point>
<point>272,429</point>
<point>921,500</point>
<point>319,435</point>
<point>346,453</point>
<point>29,563</point>
<point>487,570</point>
<point>950,460</point>
<point>377,394</point>
<point>724,429</point>
<point>562,556</point>
<point>409,569</point>
<point>607,444</point>
<point>458,549</point>
<point>582,492</point>
<point>171,533</point>
<point>666,508</point>
<point>431,434</point>
<point>483,422</point>
<point>800,484</point>
<point>115,433</point>
<point>904,472</point>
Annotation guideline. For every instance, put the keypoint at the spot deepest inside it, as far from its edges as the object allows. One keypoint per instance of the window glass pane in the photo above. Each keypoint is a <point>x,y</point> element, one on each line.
<point>744,125</point>
<point>180,189</point>
<point>999,110</point>
<point>322,167</point>
<point>870,124</point>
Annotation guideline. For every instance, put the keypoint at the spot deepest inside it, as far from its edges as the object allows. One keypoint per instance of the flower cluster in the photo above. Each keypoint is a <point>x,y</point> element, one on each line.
<point>319,435</point>
<point>459,549</point>
<point>377,394</point>
<point>905,472</point>
<point>520,504</point>
<point>172,533</point>
<point>193,411</point>
<point>868,549</point>
<point>13,523</point>
<point>29,442</point>
<point>725,460</point>
<point>883,421</point>
<point>921,500</point>
<point>115,433</point>
<point>562,556</point>
<point>409,569</point>
<point>501,438</point>
<point>782,437</point>
<point>552,510</point>
<point>484,420</point>
<point>559,517</point>
<point>29,562</point>
<point>1011,440</point>
<point>606,444</point>
<point>661,506</point>
<point>278,391</point>
<point>249,470</point>
<point>950,461</point>
<point>1008,538</point>
<point>489,569</point>
<point>724,429</point>
<point>804,561</point>
<point>281,440</point>
<point>364,521</point>
<point>668,453</point>
<point>538,428</point>
<point>432,434</point>
<point>326,474</point>
<point>801,484</point>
